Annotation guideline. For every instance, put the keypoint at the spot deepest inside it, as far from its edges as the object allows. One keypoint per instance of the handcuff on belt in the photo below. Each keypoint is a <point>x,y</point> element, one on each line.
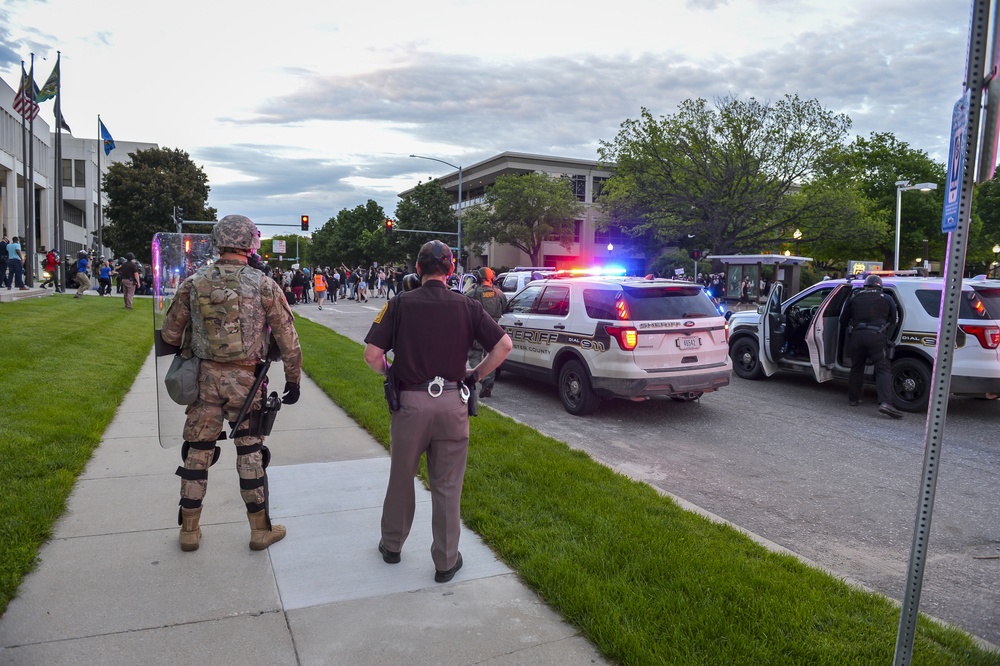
<point>435,388</point>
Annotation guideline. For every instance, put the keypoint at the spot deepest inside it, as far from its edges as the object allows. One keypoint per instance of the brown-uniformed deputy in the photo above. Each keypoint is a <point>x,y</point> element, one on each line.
<point>436,329</point>
<point>230,312</point>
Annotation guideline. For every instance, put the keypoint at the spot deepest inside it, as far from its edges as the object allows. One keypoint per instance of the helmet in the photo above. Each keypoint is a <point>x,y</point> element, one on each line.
<point>410,282</point>
<point>81,253</point>
<point>485,274</point>
<point>236,232</point>
<point>873,282</point>
<point>435,258</point>
<point>130,257</point>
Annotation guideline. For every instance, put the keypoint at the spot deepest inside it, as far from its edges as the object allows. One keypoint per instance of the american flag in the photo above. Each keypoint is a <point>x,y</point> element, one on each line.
<point>24,102</point>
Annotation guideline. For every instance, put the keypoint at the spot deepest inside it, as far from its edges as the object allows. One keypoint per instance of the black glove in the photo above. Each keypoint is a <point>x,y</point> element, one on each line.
<point>291,395</point>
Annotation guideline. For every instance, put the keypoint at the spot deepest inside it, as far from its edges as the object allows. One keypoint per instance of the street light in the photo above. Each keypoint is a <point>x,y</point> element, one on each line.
<point>434,159</point>
<point>901,186</point>
<point>996,252</point>
<point>797,236</point>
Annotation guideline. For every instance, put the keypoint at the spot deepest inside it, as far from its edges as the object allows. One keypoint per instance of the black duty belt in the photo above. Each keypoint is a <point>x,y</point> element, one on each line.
<point>446,386</point>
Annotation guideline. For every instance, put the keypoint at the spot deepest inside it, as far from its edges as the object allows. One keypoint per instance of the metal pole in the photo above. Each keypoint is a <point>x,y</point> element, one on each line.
<point>899,220</point>
<point>937,409</point>
<point>461,268</point>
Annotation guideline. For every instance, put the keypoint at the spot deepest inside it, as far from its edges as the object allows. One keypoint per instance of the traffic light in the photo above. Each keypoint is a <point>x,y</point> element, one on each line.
<point>388,227</point>
<point>695,254</point>
<point>305,223</point>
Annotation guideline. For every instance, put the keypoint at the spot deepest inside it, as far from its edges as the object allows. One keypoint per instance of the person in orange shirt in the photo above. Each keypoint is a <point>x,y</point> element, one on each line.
<point>319,286</point>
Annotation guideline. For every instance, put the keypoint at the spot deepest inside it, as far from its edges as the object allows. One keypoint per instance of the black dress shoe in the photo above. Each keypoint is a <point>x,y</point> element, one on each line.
<point>387,555</point>
<point>889,410</point>
<point>445,576</point>
<point>853,403</point>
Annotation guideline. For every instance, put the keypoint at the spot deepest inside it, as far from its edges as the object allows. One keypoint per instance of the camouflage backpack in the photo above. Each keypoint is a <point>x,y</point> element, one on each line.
<point>216,313</point>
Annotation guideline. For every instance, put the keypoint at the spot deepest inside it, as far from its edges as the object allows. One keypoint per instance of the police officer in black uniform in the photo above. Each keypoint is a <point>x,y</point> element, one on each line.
<point>869,315</point>
<point>435,328</point>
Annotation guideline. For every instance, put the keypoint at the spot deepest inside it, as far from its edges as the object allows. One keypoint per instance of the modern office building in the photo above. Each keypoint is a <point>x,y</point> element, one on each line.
<point>589,246</point>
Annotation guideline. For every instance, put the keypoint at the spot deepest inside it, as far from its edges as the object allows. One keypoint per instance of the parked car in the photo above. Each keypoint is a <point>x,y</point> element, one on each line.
<point>617,337</point>
<point>804,335</point>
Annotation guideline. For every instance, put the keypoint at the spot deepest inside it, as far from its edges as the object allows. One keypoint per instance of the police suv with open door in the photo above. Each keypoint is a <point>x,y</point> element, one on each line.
<point>804,335</point>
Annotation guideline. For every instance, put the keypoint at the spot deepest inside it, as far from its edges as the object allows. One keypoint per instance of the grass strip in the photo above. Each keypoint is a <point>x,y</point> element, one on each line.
<point>646,581</point>
<point>67,365</point>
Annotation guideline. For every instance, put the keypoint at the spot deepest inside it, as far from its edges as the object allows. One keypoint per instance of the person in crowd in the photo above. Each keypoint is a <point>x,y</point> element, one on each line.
<point>51,267</point>
<point>104,278</point>
<point>319,287</point>
<point>380,293</point>
<point>332,284</point>
<point>868,316</point>
<point>436,329</point>
<point>15,265</point>
<point>390,281</point>
<point>494,302</point>
<point>232,337</point>
<point>3,258</point>
<point>298,284</point>
<point>82,274</point>
<point>130,278</point>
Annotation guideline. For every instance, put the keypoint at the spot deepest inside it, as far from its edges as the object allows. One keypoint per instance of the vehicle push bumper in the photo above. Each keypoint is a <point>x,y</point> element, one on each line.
<point>665,383</point>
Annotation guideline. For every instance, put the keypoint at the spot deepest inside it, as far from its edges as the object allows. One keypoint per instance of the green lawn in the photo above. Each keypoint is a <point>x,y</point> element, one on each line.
<point>647,582</point>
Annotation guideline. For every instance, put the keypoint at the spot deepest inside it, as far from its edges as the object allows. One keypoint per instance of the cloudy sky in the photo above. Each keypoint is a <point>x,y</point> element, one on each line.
<point>308,107</point>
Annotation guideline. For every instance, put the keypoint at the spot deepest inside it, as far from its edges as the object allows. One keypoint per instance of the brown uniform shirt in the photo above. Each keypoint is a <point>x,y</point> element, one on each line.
<point>437,327</point>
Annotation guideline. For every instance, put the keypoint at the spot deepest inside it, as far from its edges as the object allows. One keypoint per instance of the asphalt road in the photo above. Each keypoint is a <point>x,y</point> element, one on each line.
<point>787,459</point>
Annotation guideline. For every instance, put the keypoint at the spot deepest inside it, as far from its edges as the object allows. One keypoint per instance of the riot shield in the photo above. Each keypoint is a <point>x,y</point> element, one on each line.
<point>175,257</point>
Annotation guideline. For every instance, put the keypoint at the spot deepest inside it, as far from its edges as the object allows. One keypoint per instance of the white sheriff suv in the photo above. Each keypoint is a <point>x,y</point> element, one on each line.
<point>617,337</point>
<point>803,334</point>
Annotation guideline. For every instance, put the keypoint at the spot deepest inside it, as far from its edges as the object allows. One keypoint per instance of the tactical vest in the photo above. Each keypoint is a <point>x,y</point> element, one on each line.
<point>491,299</point>
<point>227,317</point>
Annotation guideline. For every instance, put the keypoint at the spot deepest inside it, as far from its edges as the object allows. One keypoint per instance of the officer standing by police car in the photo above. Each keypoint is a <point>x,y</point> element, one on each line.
<point>868,315</point>
<point>434,330</point>
<point>494,302</point>
<point>228,312</point>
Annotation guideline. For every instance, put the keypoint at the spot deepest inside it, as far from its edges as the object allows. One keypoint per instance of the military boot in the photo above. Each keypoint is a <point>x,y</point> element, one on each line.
<point>262,533</point>
<point>190,531</point>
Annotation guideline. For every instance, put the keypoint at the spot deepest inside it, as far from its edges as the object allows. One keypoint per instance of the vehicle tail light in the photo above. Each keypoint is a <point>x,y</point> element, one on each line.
<point>626,336</point>
<point>988,336</point>
<point>622,308</point>
<point>727,331</point>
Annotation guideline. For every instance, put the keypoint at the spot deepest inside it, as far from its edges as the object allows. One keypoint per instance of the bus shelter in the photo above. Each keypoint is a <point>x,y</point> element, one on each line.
<point>737,267</point>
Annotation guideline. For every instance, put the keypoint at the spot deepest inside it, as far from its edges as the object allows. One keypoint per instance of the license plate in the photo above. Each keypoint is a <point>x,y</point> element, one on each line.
<point>692,342</point>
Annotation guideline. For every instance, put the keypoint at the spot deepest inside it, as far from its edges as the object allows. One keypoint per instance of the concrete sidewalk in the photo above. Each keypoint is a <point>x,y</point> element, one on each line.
<point>113,587</point>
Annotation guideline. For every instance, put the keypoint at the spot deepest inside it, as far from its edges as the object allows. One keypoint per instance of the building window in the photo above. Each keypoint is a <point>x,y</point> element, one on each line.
<point>79,173</point>
<point>610,235</point>
<point>579,183</point>
<point>598,187</point>
<point>67,173</point>
<point>577,226</point>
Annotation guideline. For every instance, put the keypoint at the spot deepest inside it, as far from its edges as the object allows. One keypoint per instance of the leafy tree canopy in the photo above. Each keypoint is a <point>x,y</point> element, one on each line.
<point>354,238</point>
<point>142,194</point>
<point>725,178</point>
<point>524,210</point>
<point>292,241</point>
<point>428,208</point>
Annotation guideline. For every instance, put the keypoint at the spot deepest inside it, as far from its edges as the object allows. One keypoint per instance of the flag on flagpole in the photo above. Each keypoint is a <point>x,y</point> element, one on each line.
<point>109,143</point>
<point>23,102</point>
<point>64,124</point>
<point>51,87</point>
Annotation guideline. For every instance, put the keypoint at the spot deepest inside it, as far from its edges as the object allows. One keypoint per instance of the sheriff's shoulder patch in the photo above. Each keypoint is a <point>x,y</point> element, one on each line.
<point>378,317</point>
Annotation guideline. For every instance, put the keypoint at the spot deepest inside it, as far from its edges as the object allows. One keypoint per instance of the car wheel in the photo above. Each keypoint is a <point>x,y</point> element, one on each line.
<point>577,395</point>
<point>746,359</point>
<point>911,384</point>
<point>690,396</point>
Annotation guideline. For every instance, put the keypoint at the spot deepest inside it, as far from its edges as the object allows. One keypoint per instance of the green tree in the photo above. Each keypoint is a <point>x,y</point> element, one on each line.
<point>523,210</point>
<point>142,194</point>
<point>292,241</point>
<point>354,237</point>
<point>726,177</point>
<point>428,208</point>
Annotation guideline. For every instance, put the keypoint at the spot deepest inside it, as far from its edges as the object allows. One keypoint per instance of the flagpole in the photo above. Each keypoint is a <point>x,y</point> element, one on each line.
<point>24,149</point>
<point>29,224</point>
<point>100,203</point>
<point>57,216</point>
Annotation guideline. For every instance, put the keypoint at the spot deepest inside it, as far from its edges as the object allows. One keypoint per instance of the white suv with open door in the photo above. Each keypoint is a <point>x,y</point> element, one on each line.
<point>803,334</point>
<point>617,337</point>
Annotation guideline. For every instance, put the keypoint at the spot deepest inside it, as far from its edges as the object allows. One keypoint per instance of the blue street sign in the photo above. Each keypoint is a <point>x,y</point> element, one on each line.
<point>956,163</point>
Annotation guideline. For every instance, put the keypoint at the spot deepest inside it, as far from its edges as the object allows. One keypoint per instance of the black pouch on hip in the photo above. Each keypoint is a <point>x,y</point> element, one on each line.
<point>391,387</point>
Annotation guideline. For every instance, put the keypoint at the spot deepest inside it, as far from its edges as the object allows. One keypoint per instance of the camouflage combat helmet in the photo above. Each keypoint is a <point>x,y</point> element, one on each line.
<point>236,232</point>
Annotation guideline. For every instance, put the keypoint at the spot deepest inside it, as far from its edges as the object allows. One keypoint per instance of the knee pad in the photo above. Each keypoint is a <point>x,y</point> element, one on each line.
<point>265,453</point>
<point>201,446</point>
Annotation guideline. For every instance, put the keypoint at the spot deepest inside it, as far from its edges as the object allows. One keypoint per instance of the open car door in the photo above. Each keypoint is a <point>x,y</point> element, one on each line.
<point>823,333</point>
<point>771,334</point>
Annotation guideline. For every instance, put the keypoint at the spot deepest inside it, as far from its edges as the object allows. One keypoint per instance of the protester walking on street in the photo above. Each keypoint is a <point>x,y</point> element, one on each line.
<point>230,313</point>
<point>51,267</point>
<point>319,287</point>
<point>431,330</point>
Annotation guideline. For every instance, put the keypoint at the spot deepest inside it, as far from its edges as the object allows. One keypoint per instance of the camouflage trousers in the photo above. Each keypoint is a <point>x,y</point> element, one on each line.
<point>476,356</point>
<point>223,387</point>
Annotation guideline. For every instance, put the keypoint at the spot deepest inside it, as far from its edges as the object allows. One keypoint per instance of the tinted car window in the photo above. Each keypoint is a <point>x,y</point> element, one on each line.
<point>991,299</point>
<point>554,301</point>
<point>523,302</point>
<point>600,303</point>
<point>971,306</point>
<point>668,302</point>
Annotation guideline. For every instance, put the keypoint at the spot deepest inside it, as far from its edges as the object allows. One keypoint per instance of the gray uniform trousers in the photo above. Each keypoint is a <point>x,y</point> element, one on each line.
<point>440,427</point>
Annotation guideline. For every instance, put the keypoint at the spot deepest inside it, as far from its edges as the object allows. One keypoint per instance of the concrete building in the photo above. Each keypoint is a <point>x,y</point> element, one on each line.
<point>589,247</point>
<point>81,210</point>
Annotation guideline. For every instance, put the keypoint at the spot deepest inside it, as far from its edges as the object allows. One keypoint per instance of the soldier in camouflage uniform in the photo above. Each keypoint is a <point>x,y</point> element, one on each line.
<point>230,312</point>
<point>494,302</point>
